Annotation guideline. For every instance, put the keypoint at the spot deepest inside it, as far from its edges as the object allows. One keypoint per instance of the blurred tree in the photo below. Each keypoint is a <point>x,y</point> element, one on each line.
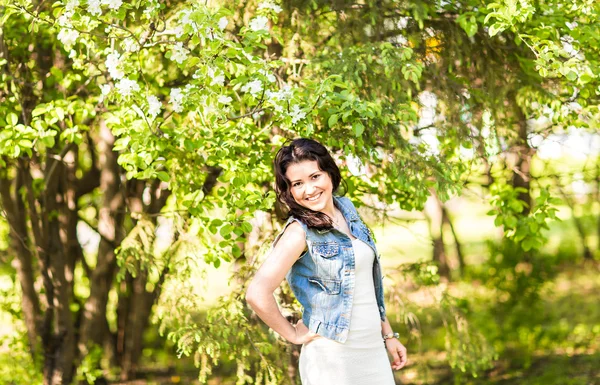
<point>118,106</point>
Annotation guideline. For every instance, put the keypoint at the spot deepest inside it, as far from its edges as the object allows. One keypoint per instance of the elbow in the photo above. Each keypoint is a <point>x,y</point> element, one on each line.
<point>257,296</point>
<point>251,296</point>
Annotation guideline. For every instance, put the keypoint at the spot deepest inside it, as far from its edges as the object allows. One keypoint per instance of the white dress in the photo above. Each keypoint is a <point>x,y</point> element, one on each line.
<point>362,359</point>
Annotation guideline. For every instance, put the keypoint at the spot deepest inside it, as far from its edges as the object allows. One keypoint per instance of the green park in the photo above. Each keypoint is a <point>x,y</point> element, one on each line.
<point>138,199</point>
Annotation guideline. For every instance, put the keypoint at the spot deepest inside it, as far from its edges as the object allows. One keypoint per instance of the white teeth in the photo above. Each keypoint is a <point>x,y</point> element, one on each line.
<point>314,198</point>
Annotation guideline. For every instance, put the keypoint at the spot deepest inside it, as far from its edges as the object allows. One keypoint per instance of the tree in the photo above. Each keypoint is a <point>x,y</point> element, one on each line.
<point>125,105</point>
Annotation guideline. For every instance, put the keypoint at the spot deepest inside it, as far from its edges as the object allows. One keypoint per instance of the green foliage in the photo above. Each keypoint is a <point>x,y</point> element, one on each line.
<point>202,95</point>
<point>16,363</point>
<point>468,351</point>
<point>523,230</point>
<point>226,333</point>
<point>90,370</point>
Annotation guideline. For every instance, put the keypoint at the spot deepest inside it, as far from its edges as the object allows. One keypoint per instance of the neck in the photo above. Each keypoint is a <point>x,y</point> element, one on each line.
<point>329,209</point>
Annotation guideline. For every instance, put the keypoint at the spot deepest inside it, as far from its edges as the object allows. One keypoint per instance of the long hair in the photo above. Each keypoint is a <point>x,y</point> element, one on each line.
<point>297,151</point>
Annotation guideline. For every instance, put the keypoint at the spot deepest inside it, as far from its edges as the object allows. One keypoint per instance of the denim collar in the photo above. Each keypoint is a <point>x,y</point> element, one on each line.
<point>348,214</point>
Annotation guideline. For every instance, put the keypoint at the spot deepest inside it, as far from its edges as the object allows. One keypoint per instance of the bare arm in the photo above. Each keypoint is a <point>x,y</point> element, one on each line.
<point>394,347</point>
<point>268,278</point>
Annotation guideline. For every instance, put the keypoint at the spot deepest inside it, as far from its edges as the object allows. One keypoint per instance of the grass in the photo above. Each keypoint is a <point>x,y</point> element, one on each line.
<point>564,337</point>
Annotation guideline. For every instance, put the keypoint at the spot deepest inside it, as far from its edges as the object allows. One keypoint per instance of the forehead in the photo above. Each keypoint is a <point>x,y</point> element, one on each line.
<point>302,169</point>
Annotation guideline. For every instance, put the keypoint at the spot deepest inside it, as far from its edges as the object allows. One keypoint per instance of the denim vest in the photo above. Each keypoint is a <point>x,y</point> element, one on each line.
<point>322,279</point>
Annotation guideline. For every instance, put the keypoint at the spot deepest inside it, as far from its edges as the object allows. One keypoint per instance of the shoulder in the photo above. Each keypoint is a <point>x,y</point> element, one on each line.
<point>295,229</point>
<point>347,203</point>
<point>294,232</point>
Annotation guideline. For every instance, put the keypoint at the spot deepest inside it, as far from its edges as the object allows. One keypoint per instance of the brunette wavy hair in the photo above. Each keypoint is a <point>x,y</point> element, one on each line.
<point>297,151</point>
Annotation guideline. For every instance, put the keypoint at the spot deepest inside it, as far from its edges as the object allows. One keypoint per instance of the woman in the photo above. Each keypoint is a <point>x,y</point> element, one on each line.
<point>329,258</point>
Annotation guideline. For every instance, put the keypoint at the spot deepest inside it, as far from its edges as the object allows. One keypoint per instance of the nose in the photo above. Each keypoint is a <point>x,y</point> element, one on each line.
<point>310,189</point>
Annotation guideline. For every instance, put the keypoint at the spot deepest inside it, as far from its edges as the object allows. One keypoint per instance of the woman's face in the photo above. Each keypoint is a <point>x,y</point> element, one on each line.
<point>310,186</point>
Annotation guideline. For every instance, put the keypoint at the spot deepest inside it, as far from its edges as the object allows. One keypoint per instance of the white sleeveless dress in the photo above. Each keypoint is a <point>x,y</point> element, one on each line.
<point>362,359</point>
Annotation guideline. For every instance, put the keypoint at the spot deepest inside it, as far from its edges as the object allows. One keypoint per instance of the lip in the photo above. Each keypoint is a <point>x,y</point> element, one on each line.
<point>317,197</point>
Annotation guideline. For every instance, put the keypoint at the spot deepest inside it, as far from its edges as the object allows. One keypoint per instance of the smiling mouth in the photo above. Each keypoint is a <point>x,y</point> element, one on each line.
<point>311,199</point>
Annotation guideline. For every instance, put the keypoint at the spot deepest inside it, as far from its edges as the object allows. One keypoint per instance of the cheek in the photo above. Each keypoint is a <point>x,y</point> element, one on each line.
<point>296,195</point>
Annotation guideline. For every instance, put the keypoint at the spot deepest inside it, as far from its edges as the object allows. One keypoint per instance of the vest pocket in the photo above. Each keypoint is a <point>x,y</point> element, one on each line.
<point>330,286</point>
<point>326,249</point>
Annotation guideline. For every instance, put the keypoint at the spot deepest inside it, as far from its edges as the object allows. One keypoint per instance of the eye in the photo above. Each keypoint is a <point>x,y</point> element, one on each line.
<point>316,176</point>
<point>296,184</point>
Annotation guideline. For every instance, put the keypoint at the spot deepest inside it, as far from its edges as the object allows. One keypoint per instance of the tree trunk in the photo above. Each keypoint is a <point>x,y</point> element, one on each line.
<point>60,346</point>
<point>598,200</point>
<point>94,328</point>
<point>587,253</point>
<point>135,302</point>
<point>459,253</point>
<point>23,261</point>
<point>433,214</point>
<point>521,171</point>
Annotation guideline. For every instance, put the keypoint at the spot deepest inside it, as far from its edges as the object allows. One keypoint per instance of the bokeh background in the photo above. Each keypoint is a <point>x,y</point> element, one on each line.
<point>136,186</point>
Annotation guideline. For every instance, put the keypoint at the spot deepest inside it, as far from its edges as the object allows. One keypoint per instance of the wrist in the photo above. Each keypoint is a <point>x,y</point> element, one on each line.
<point>390,335</point>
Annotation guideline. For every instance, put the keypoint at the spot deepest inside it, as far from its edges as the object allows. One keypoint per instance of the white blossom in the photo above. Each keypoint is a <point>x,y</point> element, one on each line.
<point>208,32</point>
<point>297,114</point>
<point>284,94</point>
<point>223,99</point>
<point>179,54</point>
<point>150,7</point>
<point>278,108</point>
<point>154,106</point>
<point>259,23</point>
<point>126,87</point>
<point>270,5</point>
<point>187,89</point>
<point>219,80</point>
<point>65,19</point>
<point>575,107</point>
<point>94,7</point>
<point>254,87</point>
<point>130,45</point>
<point>105,90</point>
<point>270,76</point>
<point>71,4</point>
<point>571,25</point>
<point>223,23</point>
<point>68,37</point>
<point>178,31</point>
<point>248,56</point>
<point>185,18</point>
<point>113,4</point>
<point>113,61</point>
<point>176,99</point>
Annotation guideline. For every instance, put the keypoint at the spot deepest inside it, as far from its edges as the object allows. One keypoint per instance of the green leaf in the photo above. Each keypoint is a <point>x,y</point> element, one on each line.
<point>247,227</point>
<point>332,120</point>
<point>498,221</point>
<point>226,230</point>
<point>39,110</point>
<point>358,129</point>
<point>533,226</point>
<point>163,175</point>
<point>12,119</point>
<point>572,76</point>
<point>527,244</point>
<point>60,113</point>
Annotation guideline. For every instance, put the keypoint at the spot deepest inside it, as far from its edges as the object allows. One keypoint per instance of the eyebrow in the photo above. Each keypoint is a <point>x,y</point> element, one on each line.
<point>298,180</point>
